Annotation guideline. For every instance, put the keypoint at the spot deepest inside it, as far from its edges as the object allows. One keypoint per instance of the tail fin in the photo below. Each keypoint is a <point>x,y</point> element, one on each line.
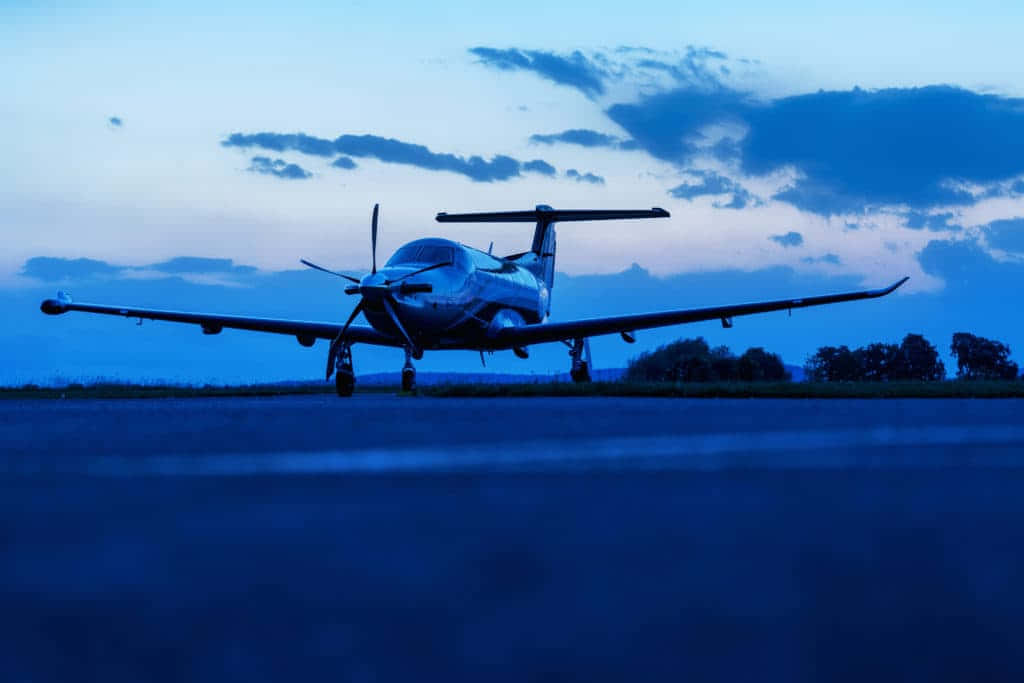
<point>544,216</point>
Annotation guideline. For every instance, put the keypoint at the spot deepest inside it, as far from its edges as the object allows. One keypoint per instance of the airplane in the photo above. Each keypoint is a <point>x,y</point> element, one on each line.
<point>436,294</point>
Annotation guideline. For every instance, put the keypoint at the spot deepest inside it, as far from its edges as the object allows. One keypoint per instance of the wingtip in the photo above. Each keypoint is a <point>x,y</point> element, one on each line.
<point>52,307</point>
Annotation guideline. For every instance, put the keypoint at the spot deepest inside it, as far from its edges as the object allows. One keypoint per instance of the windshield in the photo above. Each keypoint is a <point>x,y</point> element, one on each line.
<point>427,254</point>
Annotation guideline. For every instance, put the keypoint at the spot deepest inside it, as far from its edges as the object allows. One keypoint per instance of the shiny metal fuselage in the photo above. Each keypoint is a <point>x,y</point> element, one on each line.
<point>470,299</point>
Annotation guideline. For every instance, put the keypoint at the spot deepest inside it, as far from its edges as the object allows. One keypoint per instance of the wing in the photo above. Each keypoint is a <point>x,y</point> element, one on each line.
<point>305,331</point>
<point>549,332</point>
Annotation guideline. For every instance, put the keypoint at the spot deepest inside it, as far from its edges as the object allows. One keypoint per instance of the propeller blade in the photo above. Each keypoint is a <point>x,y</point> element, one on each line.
<point>398,323</point>
<point>586,353</point>
<point>373,237</point>
<point>333,351</point>
<point>355,311</point>
<point>417,272</point>
<point>314,266</point>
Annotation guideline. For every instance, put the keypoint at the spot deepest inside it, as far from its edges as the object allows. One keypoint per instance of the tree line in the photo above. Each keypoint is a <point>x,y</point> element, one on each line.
<point>693,360</point>
<point>913,359</point>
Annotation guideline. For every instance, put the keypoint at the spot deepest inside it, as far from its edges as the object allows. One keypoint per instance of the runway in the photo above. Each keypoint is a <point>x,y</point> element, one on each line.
<point>388,538</point>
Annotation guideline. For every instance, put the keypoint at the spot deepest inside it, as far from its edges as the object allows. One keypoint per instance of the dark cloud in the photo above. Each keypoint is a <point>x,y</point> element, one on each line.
<point>584,177</point>
<point>578,136</point>
<point>388,150</point>
<point>539,166</point>
<point>854,148</point>
<point>198,264</point>
<point>53,269</point>
<point>667,125</point>
<point>499,167</point>
<point>279,168</point>
<point>343,162</point>
<point>711,183</point>
<point>918,220</point>
<point>573,70</point>
<point>1007,235</point>
<point>824,258</point>
<point>283,142</point>
<point>790,239</point>
<point>115,121</point>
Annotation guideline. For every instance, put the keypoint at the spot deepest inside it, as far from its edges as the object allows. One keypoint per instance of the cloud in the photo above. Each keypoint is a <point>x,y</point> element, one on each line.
<point>115,122</point>
<point>539,166</point>
<point>573,70</point>
<point>389,150</point>
<point>279,168</point>
<point>584,177</point>
<point>790,239</point>
<point>856,148</point>
<point>53,269</point>
<point>824,258</point>
<point>692,69</point>
<point>344,163</point>
<point>198,264</point>
<point>278,142</point>
<point>1017,187</point>
<point>578,136</point>
<point>668,125</point>
<point>1007,235</point>
<point>711,183</point>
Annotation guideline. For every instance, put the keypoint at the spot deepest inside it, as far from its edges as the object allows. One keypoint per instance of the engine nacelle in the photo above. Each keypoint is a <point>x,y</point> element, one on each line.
<point>505,317</point>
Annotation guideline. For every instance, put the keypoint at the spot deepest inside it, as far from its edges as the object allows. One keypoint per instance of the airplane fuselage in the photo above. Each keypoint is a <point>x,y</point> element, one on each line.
<point>470,299</point>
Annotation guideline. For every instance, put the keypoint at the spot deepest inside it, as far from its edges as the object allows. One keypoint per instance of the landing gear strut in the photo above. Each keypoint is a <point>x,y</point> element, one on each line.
<point>344,375</point>
<point>580,354</point>
<point>408,372</point>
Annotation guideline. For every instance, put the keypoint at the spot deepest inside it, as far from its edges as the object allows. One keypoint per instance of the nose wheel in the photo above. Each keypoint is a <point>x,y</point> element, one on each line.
<point>408,373</point>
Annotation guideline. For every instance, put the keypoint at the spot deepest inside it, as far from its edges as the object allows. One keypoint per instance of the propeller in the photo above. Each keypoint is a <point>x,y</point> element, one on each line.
<point>383,292</point>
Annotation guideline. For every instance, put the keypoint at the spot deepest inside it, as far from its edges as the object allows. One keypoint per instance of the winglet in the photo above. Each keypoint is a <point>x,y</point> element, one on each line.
<point>893,287</point>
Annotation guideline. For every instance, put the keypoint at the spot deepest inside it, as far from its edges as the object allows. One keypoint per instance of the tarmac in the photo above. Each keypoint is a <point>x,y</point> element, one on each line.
<point>389,538</point>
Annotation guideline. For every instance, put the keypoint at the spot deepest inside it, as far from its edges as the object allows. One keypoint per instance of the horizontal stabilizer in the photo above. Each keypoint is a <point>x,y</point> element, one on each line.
<point>544,214</point>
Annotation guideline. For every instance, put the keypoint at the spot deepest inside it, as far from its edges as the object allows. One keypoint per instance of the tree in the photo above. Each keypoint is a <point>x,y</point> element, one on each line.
<point>917,360</point>
<point>833,364</point>
<point>980,358</point>
<point>757,365</point>
<point>692,360</point>
<point>877,361</point>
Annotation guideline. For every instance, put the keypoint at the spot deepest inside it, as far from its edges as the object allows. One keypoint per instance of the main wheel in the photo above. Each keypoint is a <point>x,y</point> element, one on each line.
<point>581,374</point>
<point>344,383</point>
<point>408,379</point>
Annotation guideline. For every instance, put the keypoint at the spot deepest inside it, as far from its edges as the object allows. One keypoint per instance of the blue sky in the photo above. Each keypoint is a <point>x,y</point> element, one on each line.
<point>837,147</point>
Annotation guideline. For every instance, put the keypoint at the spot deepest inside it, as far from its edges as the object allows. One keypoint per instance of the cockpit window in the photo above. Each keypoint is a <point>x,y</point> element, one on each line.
<point>427,254</point>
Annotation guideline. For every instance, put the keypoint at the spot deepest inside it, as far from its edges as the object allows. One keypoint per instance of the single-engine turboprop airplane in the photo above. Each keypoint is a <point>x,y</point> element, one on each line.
<point>435,294</point>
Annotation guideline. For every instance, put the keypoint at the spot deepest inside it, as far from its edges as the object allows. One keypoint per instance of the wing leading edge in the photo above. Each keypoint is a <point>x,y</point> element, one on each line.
<point>549,332</point>
<point>305,331</point>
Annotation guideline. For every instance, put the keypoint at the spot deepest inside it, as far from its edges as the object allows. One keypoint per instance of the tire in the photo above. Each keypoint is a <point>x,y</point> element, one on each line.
<point>344,383</point>
<point>582,374</point>
<point>408,380</point>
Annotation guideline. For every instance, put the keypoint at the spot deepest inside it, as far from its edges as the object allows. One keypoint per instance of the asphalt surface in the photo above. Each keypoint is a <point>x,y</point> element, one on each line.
<point>384,538</point>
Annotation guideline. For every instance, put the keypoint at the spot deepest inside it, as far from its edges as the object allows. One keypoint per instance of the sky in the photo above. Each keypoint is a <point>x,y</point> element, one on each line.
<point>801,149</point>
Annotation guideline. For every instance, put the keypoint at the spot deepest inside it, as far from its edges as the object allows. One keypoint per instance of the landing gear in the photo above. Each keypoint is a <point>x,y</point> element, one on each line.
<point>344,375</point>
<point>580,354</point>
<point>409,372</point>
